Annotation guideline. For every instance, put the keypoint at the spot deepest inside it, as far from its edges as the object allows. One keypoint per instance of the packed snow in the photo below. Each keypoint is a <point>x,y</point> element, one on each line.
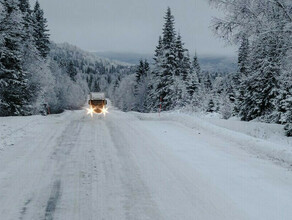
<point>142,166</point>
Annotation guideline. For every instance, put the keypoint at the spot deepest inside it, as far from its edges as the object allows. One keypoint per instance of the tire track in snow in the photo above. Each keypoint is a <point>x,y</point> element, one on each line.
<point>24,209</point>
<point>59,157</point>
<point>138,201</point>
<point>53,201</point>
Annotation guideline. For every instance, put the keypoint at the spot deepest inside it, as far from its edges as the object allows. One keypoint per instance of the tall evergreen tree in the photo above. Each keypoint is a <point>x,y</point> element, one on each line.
<point>31,57</point>
<point>152,97</point>
<point>165,68</point>
<point>261,86</point>
<point>13,80</point>
<point>242,73</point>
<point>243,57</point>
<point>182,69</point>
<point>141,86</point>
<point>41,35</point>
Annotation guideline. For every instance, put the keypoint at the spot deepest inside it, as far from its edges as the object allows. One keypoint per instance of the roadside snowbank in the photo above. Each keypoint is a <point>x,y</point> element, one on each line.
<point>14,129</point>
<point>264,140</point>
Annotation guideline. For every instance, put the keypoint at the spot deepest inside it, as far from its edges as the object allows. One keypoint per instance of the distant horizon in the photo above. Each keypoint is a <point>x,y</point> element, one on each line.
<point>207,62</point>
<point>152,54</point>
<point>148,53</point>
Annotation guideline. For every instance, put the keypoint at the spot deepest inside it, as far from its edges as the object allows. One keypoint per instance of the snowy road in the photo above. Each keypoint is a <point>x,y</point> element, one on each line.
<point>71,166</point>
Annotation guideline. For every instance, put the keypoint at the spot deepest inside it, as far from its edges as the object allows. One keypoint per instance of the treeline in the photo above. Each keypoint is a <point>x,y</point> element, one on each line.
<point>261,89</point>
<point>262,29</point>
<point>174,81</point>
<point>31,82</point>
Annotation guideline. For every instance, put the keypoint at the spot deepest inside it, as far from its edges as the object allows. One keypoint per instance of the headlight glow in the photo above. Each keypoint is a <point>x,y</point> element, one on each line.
<point>104,110</point>
<point>90,111</point>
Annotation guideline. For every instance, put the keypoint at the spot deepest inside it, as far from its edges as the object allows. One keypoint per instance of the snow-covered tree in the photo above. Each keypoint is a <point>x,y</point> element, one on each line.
<point>267,26</point>
<point>211,106</point>
<point>182,71</point>
<point>141,86</point>
<point>152,96</point>
<point>262,85</point>
<point>193,85</point>
<point>165,65</point>
<point>243,58</point>
<point>207,81</point>
<point>242,73</point>
<point>142,70</point>
<point>24,6</point>
<point>124,94</point>
<point>13,79</point>
<point>41,34</point>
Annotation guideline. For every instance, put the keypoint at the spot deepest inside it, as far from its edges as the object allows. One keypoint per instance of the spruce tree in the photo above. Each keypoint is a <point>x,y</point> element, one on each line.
<point>182,70</point>
<point>193,85</point>
<point>13,80</point>
<point>140,71</point>
<point>29,46</point>
<point>165,67</point>
<point>243,57</point>
<point>261,87</point>
<point>41,35</point>
<point>242,73</point>
<point>31,59</point>
<point>179,55</point>
<point>141,86</point>
<point>197,68</point>
<point>207,82</point>
<point>152,97</point>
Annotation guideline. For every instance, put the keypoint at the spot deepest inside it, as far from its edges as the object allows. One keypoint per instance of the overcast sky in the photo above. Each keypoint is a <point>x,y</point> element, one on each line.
<point>131,25</point>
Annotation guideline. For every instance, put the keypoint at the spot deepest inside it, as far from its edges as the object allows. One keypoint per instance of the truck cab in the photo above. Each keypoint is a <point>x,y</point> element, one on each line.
<point>97,102</point>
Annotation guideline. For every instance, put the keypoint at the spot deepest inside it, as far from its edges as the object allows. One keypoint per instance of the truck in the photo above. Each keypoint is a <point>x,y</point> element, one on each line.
<point>97,102</point>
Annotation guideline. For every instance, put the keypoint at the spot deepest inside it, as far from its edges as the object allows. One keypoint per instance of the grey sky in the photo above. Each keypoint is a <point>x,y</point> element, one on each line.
<point>131,25</point>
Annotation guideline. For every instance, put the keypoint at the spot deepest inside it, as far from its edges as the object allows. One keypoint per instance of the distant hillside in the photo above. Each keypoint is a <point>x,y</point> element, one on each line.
<point>131,58</point>
<point>208,63</point>
<point>65,52</point>
<point>99,72</point>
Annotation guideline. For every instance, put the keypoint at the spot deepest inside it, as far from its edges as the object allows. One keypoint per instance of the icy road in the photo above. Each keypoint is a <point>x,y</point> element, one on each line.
<point>126,166</point>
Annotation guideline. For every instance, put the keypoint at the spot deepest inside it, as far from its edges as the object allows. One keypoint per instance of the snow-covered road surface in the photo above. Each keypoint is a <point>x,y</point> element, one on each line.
<point>72,166</point>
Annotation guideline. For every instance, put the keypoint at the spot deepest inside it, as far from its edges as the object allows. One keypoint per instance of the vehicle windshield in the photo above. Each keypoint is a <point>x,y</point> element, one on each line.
<point>97,102</point>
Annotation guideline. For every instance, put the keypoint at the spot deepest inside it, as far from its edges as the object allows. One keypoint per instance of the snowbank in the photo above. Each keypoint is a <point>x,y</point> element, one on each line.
<point>264,140</point>
<point>14,129</point>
